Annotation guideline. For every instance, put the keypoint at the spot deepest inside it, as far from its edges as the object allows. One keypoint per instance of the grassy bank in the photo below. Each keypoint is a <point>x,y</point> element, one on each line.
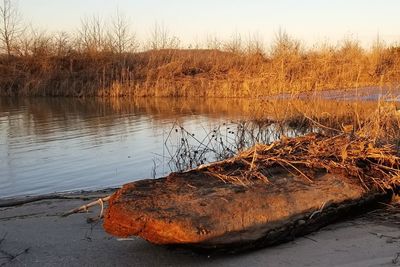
<point>104,57</point>
<point>287,68</point>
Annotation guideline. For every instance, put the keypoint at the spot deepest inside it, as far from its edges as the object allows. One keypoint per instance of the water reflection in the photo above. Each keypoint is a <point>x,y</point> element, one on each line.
<point>59,144</point>
<point>50,144</point>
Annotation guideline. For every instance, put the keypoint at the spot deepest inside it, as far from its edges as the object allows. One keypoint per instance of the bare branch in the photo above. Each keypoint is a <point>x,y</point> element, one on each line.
<point>121,37</point>
<point>10,25</point>
<point>160,38</point>
<point>91,35</point>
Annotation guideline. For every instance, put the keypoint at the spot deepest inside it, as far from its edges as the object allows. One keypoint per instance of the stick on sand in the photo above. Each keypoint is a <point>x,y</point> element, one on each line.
<point>100,202</point>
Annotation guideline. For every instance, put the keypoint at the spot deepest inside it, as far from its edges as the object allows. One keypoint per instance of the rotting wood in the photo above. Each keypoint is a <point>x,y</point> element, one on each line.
<point>225,216</point>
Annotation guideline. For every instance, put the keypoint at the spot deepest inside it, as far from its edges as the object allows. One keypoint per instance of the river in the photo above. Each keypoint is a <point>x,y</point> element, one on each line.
<point>64,144</point>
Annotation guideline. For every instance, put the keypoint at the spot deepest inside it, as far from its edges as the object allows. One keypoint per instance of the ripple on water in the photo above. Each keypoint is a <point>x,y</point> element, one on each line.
<point>50,145</point>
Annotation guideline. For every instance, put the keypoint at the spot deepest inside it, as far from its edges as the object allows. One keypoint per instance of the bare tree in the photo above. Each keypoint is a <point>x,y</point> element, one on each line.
<point>42,44</point>
<point>160,38</point>
<point>10,26</point>
<point>254,44</point>
<point>91,36</point>
<point>121,36</point>
<point>234,44</point>
<point>62,43</point>
<point>213,42</point>
<point>284,45</point>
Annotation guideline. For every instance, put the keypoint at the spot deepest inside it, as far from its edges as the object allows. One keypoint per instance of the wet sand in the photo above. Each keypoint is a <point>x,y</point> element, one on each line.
<point>37,235</point>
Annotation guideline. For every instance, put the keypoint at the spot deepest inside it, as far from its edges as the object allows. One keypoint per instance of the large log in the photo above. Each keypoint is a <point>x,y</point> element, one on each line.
<point>197,209</point>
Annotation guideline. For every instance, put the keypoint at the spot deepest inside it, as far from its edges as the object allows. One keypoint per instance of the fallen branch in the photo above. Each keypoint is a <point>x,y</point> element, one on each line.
<point>86,207</point>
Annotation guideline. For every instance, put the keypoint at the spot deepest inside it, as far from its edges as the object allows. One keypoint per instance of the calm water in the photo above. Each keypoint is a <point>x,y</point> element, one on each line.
<point>61,144</point>
<point>51,145</point>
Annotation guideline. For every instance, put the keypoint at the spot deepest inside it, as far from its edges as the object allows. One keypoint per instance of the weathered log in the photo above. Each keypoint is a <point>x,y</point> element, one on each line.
<point>196,209</point>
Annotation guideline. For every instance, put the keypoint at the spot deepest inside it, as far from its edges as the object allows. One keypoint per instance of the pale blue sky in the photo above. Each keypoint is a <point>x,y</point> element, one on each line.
<point>309,20</point>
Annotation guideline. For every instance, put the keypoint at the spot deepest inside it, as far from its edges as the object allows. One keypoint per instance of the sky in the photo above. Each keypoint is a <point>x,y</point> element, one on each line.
<point>312,21</point>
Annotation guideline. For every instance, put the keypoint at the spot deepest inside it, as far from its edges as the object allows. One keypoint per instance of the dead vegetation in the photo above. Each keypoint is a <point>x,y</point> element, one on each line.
<point>363,146</point>
<point>104,58</point>
<point>193,73</point>
<point>360,145</point>
<point>358,157</point>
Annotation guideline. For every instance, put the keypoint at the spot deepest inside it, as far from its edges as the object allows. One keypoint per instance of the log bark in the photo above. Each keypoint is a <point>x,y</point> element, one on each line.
<point>195,209</point>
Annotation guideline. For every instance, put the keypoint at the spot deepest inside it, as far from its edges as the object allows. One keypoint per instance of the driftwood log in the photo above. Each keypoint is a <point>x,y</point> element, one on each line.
<point>198,210</point>
<point>266,195</point>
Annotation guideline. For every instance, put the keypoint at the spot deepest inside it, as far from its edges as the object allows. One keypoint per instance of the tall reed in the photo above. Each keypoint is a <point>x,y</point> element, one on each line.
<point>104,58</point>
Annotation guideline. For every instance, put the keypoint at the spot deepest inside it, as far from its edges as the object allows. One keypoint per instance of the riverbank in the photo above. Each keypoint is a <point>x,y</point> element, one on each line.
<point>287,69</point>
<point>37,236</point>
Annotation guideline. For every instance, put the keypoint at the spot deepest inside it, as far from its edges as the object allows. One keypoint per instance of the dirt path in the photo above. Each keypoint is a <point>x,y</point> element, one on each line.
<point>34,235</point>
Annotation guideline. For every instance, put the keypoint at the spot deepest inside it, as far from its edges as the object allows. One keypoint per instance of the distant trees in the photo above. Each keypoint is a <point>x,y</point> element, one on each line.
<point>160,38</point>
<point>284,45</point>
<point>234,44</point>
<point>255,44</point>
<point>62,43</point>
<point>91,35</point>
<point>121,37</point>
<point>95,35</point>
<point>11,26</point>
<point>212,42</point>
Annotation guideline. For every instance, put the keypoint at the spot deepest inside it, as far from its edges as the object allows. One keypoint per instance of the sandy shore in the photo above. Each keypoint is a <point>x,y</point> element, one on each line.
<point>34,234</point>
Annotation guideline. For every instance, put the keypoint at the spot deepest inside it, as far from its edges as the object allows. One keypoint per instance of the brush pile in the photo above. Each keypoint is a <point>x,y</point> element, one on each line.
<point>374,166</point>
<point>263,196</point>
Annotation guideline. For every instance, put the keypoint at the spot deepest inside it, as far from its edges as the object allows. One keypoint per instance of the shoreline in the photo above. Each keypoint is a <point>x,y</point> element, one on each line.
<point>365,92</point>
<point>197,72</point>
<point>34,234</point>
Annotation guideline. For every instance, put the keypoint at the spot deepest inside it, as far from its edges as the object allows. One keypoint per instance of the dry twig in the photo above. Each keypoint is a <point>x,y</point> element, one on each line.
<point>86,207</point>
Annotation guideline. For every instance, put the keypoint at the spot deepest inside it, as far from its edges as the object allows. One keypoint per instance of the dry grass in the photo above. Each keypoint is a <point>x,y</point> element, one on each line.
<point>198,72</point>
<point>365,149</point>
<point>104,58</point>
<point>374,166</point>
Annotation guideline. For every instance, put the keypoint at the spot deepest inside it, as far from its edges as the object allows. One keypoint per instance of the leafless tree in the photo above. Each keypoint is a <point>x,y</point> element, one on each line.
<point>42,44</point>
<point>234,44</point>
<point>254,44</point>
<point>10,26</point>
<point>62,43</point>
<point>121,36</point>
<point>160,38</point>
<point>213,42</point>
<point>91,35</point>
<point>284,45</point>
